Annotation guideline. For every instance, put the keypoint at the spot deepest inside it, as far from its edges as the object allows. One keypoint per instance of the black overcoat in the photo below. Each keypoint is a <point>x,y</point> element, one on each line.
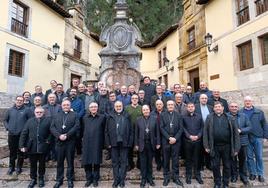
<point>93,139</point>
<point>36,135</point>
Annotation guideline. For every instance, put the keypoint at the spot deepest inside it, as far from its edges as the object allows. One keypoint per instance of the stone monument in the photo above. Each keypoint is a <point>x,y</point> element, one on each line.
<point>120,58</point>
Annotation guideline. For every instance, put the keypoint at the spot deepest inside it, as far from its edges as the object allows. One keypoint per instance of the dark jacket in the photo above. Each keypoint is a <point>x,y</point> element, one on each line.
<point>149,90</point>
<point>208,135</point>
<point>40,95</point>
<point>126,99</point>
<point>15,119</point>
<point>71,126</point>
<point>60,97</point>
<point>110,130</point>
<point>78,106</point>
<point>36,135</point>
<point>192,125</point>
<point>46,95</point>
<point>154,98</point>
<point>205,91</point>
<point>103,102</point>
<point>258,123</point>
<point>212,100</point>
<point>198,109</point>
<point>93,139</point>
<point>140,132</point>
<point>244,125</point>
<point>188,98</point>
<point>182,109</point>
<point>165,127</point>
<point>52,110</point>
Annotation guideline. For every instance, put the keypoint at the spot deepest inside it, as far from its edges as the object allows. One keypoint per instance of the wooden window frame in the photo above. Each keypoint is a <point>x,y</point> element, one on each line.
<point>159,59</point>
<point>17,26</point>
<point>264,52</point>
<point>77,47</point>
<point>191,42</point>
<point>165,79</point>
<point>261,6</point>
<point>242,14</point>
<point>16,63</point>
<point>249,55</point>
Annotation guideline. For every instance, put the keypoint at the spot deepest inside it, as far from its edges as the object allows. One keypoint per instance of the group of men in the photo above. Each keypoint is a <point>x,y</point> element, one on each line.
<point>165,125</point>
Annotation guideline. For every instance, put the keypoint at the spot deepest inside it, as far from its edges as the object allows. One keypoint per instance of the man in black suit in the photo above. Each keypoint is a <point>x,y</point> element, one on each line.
<point>65,128</point>
<point>147,139</point>
<point>35,139</point>
<point>216,96</point>
<point>119,137</point>
<point>159,95</point>
<point>171,130</point>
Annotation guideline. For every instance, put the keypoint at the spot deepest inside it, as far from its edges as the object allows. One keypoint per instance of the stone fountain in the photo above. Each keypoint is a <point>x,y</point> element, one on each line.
<point>120,58</point>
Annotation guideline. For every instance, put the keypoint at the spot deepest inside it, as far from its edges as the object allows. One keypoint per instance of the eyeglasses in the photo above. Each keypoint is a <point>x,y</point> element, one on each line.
<point>39,112</point>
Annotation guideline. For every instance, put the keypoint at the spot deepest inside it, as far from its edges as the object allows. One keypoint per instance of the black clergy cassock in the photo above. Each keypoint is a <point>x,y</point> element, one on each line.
<point>171,126</point>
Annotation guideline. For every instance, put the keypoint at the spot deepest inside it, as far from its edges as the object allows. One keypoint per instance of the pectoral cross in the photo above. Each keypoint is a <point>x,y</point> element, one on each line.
<point>63,126</point>
<point>171,125</point>
<point>117,125</point>
<point>147,130</point>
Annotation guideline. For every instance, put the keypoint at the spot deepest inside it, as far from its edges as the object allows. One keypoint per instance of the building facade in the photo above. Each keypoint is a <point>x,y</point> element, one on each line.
<point>24,46</point>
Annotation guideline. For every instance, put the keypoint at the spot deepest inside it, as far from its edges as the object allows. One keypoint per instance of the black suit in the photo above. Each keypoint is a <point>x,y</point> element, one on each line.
<point>36,137</point>
<point>120,139</point>
<point>147,136</point>
<point>171,126</point>
<point>65,123</point>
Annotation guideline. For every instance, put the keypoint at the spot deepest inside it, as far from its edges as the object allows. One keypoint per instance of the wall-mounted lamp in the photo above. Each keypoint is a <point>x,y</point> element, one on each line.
<point>208,40</point>
<point>56,50</point>
<point>167,63</point>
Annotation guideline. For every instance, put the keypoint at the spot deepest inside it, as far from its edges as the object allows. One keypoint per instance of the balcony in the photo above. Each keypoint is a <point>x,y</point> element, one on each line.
<point>261,6</point>
<point>19,27</point>
<point>77,54</point>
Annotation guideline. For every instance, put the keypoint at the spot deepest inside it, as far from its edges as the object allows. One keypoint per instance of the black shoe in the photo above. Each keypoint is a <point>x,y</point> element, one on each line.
<point>188,180</point>
<point>32,183</point>
<point>225,186</point>
<point>252,177</point>
<point>234,179</point>
<point>217,186</point>
<point>261,179</point>
<point>95,183</point>
<point>58,184</point>
<point>122,184</point>
<point>158,168</point>
<point>151,183</point>
<point>165,182</point>
<point>115,184</point>
<point>41,182</point>
<point>10,171</point>
<point>18,171</point>
<point>70,184</point>
<point>88,183</point>
<point>178,182</point>
<point>143,183</point>
<point>199,180</point>
<point>245,182</point>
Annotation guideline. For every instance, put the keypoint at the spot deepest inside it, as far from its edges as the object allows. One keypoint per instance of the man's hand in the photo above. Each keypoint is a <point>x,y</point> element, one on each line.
<point>137,148</point>
<point>109,146</point>
<point>239,130</point>
<point>63,137</point>
<point>235,154</point>
<point>207,150</point>
<point>192,138</point>
<point>172,140</point>
<point>23,150</point>
<point>158,146</point>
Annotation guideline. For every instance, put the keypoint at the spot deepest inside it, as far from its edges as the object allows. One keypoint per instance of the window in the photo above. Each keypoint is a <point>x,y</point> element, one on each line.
<point>261,6</point>
<point>264,48</point>
<point>166,79</point>
<point>191,38</point>
<point>159,59</point>
<point>245,55</point>
<point>77,47</point>
<point>160,80</point>
<point>15,65</point>
<point>19,16</point>
<point>242,11</point>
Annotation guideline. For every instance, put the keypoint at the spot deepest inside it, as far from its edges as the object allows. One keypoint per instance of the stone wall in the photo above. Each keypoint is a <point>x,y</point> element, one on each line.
<point>6,101</point>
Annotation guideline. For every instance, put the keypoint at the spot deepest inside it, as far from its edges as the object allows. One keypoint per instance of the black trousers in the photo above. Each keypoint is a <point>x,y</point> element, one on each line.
<point>222,153</point>
<point>192,151</point>
<point>158,157</point>
<point>65,151</point>
<point>39,159</point>
<point>171,152</point>
<point>119,162</point>
<point>242,157</point>
<point>92,172</point>
<point>146,158</point>
<point>14,152</point>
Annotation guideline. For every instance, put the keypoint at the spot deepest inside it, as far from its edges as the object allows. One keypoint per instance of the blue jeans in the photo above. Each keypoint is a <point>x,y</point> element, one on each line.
<point>255,166</point>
